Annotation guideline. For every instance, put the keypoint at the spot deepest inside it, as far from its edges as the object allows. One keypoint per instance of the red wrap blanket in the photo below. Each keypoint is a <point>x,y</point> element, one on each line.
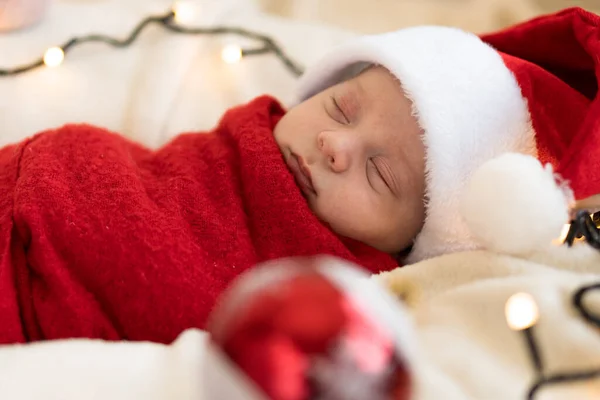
<point>102,238</point>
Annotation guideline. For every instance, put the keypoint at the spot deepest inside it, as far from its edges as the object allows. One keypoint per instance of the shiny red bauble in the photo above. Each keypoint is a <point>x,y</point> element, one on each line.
<point>299,335</point>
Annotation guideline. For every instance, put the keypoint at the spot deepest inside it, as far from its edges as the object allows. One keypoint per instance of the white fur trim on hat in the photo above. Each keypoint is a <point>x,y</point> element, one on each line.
<point>467,102</point>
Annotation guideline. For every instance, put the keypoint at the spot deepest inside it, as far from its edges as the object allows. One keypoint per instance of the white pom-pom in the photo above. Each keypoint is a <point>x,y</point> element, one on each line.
<point>514,205</point>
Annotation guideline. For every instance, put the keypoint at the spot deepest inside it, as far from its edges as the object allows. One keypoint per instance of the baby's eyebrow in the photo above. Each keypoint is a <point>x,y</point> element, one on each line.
<point>358,90</point>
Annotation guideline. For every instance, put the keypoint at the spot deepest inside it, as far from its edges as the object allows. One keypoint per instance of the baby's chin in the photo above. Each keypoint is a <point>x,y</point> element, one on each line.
<point>381,241</point>
<point>347,230</point>
<point>383,246</point>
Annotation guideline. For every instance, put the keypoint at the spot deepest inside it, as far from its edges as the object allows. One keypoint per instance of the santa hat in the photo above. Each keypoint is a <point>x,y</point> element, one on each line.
<point>529,89</point>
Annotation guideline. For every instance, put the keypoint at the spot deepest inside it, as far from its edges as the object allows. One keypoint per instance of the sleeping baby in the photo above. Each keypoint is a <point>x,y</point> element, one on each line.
<point>103,238</point>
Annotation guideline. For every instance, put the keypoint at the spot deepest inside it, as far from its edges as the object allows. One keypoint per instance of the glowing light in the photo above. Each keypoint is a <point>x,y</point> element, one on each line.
<point>563,235</point>
<point>184,11</point>
<point>521,311</point>
<point>231,54</point>
<point>54,56</point>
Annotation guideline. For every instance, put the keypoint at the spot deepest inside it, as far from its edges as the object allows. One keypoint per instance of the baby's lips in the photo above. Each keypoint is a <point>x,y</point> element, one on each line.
<point>294,329</point>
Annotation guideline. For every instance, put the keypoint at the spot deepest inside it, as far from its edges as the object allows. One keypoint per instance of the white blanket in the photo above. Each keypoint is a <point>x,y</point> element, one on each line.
<point>161,85</point>
<point>467,350</point>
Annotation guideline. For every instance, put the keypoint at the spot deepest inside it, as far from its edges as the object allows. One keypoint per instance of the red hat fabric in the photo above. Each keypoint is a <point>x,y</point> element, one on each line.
<point>529,89</point>
<point>556,59</point>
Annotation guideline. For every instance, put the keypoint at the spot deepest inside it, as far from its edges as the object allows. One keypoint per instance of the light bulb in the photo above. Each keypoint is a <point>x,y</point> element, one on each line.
<point>231,54</point>
<point>521,311</point>
<point>184,11</point>
<point>54,56</point>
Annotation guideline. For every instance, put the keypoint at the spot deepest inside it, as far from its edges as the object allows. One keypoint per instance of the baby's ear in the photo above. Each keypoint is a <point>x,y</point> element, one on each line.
<point>514,205</point>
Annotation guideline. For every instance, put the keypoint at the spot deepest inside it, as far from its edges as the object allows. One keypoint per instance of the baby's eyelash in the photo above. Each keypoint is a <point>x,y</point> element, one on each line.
<point>371,160</point>
<point>339,108</point>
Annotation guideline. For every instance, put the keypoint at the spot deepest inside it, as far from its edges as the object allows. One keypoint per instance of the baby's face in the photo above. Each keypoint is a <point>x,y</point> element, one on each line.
<point>356,153</point>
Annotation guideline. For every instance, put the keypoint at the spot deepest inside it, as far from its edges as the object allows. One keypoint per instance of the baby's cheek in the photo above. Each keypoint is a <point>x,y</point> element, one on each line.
<point>348,215</point>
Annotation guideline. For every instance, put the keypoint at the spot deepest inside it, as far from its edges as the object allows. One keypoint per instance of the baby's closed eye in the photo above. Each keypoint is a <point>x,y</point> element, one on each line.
<point>336,112</point>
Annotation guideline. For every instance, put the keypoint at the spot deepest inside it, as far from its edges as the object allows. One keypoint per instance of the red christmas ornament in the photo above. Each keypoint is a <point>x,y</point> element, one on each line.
<point>295,332</point>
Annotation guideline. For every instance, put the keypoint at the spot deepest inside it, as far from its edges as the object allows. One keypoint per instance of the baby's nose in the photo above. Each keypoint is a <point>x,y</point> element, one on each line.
<point>338,148</point>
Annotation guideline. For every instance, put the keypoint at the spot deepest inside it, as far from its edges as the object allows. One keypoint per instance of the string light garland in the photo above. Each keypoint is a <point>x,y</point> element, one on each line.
<point>522,311</point>
<point>180,12</point>
<point>584,225</point>
<point>578,303</point>
<point>522,314</point>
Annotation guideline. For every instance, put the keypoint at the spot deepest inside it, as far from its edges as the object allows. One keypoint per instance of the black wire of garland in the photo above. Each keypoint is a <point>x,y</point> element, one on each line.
<point>168,22</point>
<point>584,226</point>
